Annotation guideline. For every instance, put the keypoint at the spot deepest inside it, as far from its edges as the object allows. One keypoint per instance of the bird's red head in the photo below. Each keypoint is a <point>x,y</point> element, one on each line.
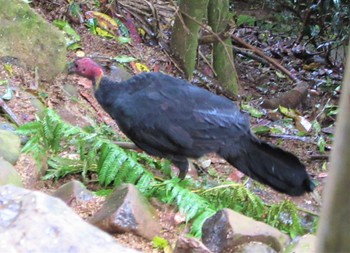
<point>86,67</point>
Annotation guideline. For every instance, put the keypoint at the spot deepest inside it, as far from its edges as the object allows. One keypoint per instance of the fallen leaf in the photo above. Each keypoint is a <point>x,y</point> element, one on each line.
<point>322,175</point>
<point>104,21</point>
<point>139,67</point>
<point>290,113</point>
<point>261,130</point>
<point>124,59</point>
<point>252,111</point>
<point>80,53</point>
<point>302,124</point>
<point>235,176</point>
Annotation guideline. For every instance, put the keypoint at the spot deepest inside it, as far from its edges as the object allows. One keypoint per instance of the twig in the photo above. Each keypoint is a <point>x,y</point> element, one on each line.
<point>213,33</point>
<point>319,157</point>
<point>269,59</point>
<point>127,145</point>
<point>250,54</point>
<point>9,112</point>
<point>225,34</point>
<point>174,62</point>
<point>180,17</point>
<point>206,61</point>
<point>291,137</point>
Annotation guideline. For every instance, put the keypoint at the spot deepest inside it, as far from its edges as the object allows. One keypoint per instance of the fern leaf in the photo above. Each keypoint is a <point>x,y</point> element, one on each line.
<point>198,221</point>
<point>29,128</point>
<point>107,169</point>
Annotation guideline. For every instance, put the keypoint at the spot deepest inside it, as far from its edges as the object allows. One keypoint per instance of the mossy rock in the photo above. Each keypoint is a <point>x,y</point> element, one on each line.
<point>10,146</point>
<point>8,174</point>
<point>25,35</point>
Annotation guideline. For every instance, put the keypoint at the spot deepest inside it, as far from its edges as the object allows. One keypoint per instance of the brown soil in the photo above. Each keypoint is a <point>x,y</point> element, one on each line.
<point>78,111</point>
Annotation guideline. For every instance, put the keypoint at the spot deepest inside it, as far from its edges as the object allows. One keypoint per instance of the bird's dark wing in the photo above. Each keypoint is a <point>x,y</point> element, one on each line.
<point>169,116</point>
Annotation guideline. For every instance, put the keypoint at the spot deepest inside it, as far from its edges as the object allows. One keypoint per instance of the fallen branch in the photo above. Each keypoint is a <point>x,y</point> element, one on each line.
<point>9,112</point>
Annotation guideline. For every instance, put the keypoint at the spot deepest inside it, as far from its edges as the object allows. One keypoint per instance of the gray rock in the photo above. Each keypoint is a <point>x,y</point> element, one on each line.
<point>227,229</point>
<point>254,247</point>
<point>35,222</point>
<point>7,126</point>
<point>190,245</point>
<point>10,146</point>
<point>8,174</point>
<point>126,210</point>
<point>304,244</point>
<point>28,37</point>
<point>73,190</point>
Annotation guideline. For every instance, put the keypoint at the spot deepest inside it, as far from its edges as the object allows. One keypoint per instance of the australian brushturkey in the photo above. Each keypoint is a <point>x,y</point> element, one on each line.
<point>168,117</point>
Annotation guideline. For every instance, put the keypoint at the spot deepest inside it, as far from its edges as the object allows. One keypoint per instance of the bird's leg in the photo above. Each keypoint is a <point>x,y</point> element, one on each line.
<point>182,164</point>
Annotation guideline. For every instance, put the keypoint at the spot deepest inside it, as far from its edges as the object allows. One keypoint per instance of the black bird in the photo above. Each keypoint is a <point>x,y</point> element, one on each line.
<point>170,118</point>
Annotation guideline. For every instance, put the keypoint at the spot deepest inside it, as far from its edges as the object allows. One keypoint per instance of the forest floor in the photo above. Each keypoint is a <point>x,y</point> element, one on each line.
<point>257,81</point>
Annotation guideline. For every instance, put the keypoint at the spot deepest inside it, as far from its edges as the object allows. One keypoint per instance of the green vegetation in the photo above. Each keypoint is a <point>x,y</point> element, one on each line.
<point>69,149</point>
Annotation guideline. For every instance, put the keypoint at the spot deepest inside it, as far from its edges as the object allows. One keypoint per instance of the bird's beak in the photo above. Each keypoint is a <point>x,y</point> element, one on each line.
<point>71,68</point>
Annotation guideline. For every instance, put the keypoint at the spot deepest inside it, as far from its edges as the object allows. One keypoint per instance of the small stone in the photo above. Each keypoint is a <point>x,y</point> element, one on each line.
<point>228,229</point>
<point>190,245</point>
<point>8,174</point>
<point>73,190</point>
<point>7,127</point>
<point>205,163</point>
<point>126,210</point>
<point>304,244</point>
<point>10,146</point>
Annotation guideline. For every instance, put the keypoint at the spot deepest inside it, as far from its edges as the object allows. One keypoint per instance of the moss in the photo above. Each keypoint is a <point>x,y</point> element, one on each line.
<point>27,36</point>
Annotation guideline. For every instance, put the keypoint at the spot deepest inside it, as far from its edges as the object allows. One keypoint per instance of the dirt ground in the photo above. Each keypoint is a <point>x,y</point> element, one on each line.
<point>76,108</point>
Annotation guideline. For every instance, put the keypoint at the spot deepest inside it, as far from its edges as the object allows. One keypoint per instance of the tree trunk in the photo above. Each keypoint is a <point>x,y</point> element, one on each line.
<point>333,232</point>
<point>218,17</point>
<point>184,40</point>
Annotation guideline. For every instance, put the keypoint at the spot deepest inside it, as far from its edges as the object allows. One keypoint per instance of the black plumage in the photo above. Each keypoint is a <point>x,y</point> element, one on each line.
<point>168,117</point>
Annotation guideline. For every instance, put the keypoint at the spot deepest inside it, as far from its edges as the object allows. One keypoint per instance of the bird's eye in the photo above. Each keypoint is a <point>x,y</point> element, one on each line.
<point>84,69</point>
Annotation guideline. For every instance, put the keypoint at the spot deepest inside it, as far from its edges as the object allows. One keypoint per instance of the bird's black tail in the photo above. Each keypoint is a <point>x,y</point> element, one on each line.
<point>270,165</point>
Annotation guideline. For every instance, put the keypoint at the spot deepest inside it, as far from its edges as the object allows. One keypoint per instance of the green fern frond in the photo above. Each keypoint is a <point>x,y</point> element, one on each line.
<point>146,182</point>
<point>284,216</point>
<point>236,197</point>
<point>60,167</point>
<point>107,168</point>
<point>51,138</point>
<point>29,128</point>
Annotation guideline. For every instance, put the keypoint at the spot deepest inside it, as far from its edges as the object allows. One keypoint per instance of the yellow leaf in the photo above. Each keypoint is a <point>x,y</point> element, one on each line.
<point>141,67</point>
<point>8,69</point>
<point>141,31</point>
<point>290,113</point>
<point>104,21</point>
<point>104,33</point>
<point>80,53</point>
